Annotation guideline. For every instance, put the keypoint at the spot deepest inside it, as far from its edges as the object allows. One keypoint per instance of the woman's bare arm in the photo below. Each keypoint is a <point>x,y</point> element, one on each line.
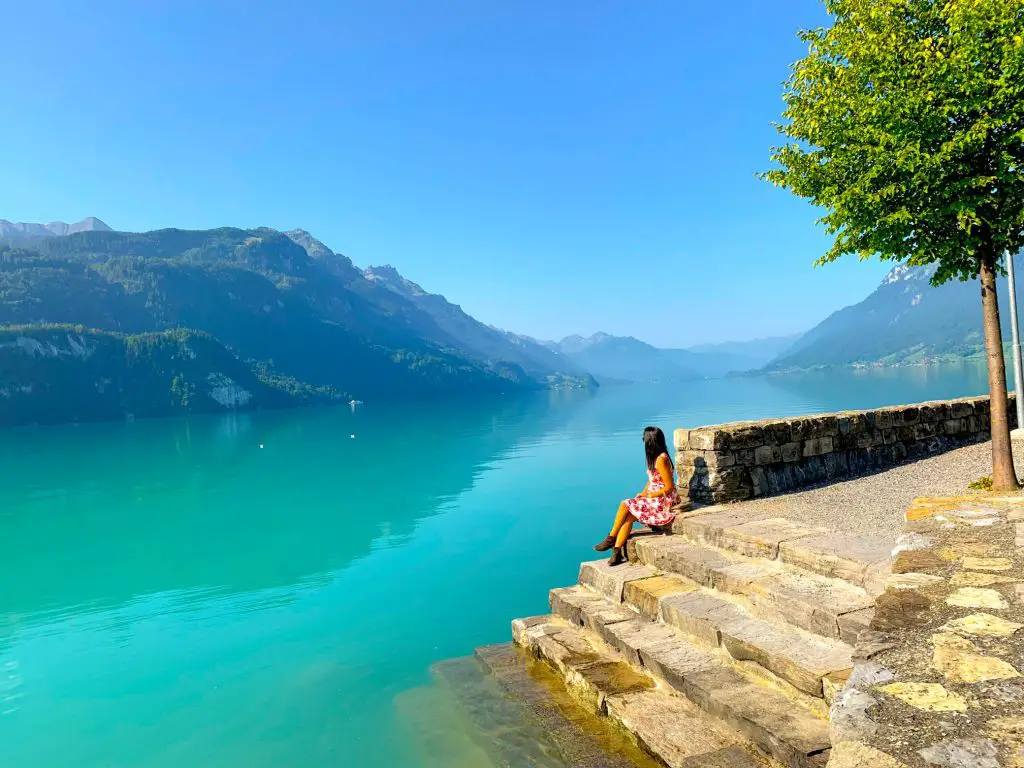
<point>664,467</point>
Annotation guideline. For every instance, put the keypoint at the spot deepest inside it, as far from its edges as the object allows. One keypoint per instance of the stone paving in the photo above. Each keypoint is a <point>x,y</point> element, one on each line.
<point>938,679</point>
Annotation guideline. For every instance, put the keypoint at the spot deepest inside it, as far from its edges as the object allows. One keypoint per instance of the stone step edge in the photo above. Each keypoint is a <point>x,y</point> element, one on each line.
<point>776,538</point>
<point>741,649</point>
<point>632,699</point>
<point>718,569</point>
<point>746,710</point>
<point>598,620</point>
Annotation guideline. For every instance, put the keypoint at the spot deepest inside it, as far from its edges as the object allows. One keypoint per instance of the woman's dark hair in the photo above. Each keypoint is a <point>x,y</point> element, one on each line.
<point>654,446</point>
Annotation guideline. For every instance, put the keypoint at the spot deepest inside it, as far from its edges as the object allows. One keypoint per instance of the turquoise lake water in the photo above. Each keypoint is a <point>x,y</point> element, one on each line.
<point>268,590</point>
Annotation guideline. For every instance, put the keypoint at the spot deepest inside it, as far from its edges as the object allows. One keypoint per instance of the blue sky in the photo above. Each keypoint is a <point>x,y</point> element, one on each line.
<point>554,168</point>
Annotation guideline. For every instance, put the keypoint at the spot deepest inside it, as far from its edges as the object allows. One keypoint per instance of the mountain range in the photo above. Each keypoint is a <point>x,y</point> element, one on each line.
<point>102,324</point>
<point>904,321</point>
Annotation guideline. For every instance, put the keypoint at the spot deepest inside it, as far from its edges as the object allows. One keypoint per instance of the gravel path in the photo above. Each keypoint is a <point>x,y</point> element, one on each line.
<point>876,503</point>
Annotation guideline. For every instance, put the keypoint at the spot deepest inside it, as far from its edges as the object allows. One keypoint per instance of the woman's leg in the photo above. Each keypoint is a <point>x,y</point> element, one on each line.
<point>624,529</point>
<point>620,518</point>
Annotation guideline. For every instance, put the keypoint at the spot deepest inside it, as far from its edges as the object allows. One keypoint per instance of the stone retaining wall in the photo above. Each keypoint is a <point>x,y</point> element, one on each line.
<point>743,460</point>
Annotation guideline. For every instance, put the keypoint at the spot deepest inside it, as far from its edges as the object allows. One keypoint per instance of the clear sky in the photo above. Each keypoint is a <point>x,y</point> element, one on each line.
<point>554,167</point>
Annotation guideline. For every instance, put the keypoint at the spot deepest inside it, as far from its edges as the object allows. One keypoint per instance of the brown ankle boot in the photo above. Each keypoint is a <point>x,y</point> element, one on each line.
<point>618,556</point>
<point>605,545</point>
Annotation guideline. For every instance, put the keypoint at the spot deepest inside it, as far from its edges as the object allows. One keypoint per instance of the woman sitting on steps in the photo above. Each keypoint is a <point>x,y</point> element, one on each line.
<point>652,506</point>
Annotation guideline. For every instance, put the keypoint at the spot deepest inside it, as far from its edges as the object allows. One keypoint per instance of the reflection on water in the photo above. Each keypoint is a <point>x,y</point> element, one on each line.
<point>175,593</point>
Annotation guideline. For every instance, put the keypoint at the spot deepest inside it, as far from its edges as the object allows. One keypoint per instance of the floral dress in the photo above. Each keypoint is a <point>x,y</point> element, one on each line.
<point>656,511</point>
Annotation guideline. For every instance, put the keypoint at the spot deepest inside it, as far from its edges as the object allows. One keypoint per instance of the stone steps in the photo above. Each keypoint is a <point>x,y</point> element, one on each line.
<point>803,667</point>
<point>751,618</point>
<point>864,561</point>
<point>669,726</point>
<point>827,606</point>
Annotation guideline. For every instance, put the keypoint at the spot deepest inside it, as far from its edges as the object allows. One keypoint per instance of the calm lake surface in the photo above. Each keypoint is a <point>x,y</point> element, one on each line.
<point>267,590</point>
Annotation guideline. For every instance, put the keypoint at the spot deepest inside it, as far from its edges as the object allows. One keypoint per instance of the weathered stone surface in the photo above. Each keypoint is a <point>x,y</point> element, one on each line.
<point>526,631</point>
<point>668,726</point>
<point>852,624</point>
<point>675,661</point>
<point>870,644</point>
<point>605,678</point>
<point>700,616</point>
<point>912,581</point>
<point>833,683</point>
<point>973,597</point>
<point>916,560</point>
<point>765,717</point>
<point>840,555</point>
<point>988,563</point>
<point>707,528</point>
<point>852,754</point>
<point>761,538</point>
<point>958,659</point>
<point>610,580</point>
<point>975,579</point>
<point>930,697</point>
<point>799,659</point>
<point>983,625</point>
<point>631,637</point>
<point>646,594</point>
<point>898,608</point>
<point>736,578</point>
<point>964,753</point>
<point>672,554</point>
<point>727,757</point>
<point>806,600</point>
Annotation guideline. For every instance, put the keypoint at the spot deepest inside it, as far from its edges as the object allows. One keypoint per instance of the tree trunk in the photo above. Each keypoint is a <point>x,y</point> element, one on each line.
<point>1004,477</point>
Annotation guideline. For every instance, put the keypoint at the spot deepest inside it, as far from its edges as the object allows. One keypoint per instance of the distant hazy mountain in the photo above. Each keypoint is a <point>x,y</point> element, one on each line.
<point>22,233</point>
<point>624,359</point>
<point>745,355</point>
<point>905,320</point>
<point>480,340</point>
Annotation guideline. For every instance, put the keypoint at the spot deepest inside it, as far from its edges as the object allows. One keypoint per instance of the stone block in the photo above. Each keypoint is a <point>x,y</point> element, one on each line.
<point>671,554</point>
<point>745,436</point>
<point>839,555</point>
<point>808,601</point>
<point>609,580</point>
<point>898,608</point>
<point>681,439</point>
<point>853,754</point>
<point>700,616</point>
<point>761,538</point>
<point>792,451</point>
<point>767,454</point>
<point>708,439</point>
<point>674,662</point>
<point>777,432</point>
<point>706,459</point>
<point>764,716</point>
<point>959,409</point>
<point>630,637</point>
<point>645,595</point>
<point>852,624</point>
<point>799,659</point>
<point>669,727</point>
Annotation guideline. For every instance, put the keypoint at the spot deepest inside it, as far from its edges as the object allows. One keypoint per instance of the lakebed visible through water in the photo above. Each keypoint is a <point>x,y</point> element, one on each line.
<point>273,589</point>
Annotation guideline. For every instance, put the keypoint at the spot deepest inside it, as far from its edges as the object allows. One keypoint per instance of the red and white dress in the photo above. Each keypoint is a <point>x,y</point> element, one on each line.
<point>656,511</point>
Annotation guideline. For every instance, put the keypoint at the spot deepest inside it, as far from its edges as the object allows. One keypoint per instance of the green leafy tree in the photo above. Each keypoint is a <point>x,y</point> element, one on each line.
<point>905,123</point>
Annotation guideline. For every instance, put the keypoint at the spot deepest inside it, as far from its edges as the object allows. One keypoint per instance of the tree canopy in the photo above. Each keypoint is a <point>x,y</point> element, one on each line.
<point>906,122</point>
